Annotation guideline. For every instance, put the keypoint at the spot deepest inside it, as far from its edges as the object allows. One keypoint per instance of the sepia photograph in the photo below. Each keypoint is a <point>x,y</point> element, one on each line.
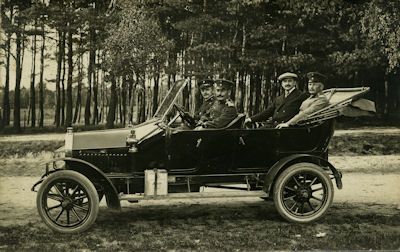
<point>199,125</point>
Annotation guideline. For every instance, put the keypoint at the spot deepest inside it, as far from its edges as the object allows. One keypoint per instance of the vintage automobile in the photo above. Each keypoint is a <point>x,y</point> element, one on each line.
<point>160,160</point>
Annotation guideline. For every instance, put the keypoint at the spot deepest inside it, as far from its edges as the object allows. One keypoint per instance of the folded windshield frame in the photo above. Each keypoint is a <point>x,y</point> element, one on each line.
<point>169,100</point>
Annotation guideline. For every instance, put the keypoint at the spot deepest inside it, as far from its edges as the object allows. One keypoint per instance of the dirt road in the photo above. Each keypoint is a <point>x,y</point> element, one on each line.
<point>17,202</point>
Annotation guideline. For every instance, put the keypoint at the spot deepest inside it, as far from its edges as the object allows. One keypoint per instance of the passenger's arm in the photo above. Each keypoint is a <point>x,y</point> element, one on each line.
<point>314,107</point>
<point>264,115</point>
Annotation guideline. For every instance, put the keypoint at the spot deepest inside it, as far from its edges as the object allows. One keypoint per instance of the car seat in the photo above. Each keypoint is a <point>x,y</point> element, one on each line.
<point>236,123</point>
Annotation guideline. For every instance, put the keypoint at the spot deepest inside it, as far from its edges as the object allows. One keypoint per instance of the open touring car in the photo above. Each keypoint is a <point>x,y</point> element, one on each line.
<point>157,160</point>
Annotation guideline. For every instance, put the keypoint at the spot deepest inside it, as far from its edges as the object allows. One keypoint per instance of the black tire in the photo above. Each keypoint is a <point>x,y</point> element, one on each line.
<point>295,189</point>
<point>68,202</point>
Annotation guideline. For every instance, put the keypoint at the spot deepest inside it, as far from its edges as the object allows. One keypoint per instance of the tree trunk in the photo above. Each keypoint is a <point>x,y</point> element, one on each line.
<point>58,79</point>
<point>141,99</point>
<point>92,61</point>
<point>251,94</point>
<point>386,95</point>
<point>95,118</point>
<point>124,97</point>
<point>32,100</point>
<point>79,91</point>
<point>6,93</point>
<point>131,99</point>
<point>41,85</point>
<point>257,102</point>
<point>102,93</point>
<point>155,91</point>
<point>18,74</point>
<point>266,90</point>
<point>241,91</point>
<point>63,82</point>
<point>113,103</point>
<point>244,40</point>
<point>68,120</point>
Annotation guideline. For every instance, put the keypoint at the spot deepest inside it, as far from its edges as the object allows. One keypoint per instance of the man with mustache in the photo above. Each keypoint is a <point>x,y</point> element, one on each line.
<point>284,106</point>
<point>223,110</point>
<point>315,102</point>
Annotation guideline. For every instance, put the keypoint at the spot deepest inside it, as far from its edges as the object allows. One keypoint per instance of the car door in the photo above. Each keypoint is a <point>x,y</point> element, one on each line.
<point>256,149</point>
<point>201,151</point>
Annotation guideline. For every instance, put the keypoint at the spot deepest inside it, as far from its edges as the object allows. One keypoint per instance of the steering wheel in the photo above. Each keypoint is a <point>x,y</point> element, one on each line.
<point>189,121</point>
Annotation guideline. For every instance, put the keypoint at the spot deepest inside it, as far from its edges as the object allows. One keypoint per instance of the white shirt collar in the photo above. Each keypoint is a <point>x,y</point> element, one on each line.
<point>287,93</point>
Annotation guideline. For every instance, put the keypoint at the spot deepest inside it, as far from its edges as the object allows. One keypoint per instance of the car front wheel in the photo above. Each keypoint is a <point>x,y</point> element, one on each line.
<point>303,193</point>
<point>68,202</point>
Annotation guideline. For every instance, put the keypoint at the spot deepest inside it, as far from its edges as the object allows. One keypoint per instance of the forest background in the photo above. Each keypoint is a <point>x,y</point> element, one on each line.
<point>107,63</point>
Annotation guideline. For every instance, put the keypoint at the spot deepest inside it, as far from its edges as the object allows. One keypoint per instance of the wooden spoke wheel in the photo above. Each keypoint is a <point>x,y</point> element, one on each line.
<point>68,202</point>
<point>303,193</point>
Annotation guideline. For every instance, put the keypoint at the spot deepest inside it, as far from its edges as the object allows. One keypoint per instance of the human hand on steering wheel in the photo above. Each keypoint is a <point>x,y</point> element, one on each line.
<point>249,124</point>
<point>187,119</point>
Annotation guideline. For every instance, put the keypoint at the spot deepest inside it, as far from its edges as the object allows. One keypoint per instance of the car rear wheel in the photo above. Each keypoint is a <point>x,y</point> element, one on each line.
<point>68,202</point>
<point>303,193</point>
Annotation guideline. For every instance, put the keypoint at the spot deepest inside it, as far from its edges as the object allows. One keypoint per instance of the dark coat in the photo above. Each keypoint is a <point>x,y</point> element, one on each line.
<point>221,114</point>
<point>282,109</point>
<point>204,109</point>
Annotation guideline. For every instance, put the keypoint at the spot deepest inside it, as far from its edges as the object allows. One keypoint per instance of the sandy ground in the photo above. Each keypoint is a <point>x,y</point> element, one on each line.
<point>60,136</point>
<point>17,202</point>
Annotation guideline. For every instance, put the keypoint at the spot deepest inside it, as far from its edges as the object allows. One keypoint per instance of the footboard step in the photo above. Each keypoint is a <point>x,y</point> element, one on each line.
<point>195,195</point>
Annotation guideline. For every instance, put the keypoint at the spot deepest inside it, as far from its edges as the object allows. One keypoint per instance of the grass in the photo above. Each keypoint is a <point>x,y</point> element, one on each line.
<point>19,149</point>
<point>383,164</point>
<point>203,227</point>
<point>8,130</point>
<point>365,144</point>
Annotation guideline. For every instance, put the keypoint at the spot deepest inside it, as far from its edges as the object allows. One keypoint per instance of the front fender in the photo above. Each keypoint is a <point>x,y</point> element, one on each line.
<point>89,170</point>
<point>278,167</point>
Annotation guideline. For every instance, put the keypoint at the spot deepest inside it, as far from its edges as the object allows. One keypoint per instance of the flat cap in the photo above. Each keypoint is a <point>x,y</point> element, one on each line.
<point>224,83</point>
<point>205,83</point>
<point>316,77</point>
<point>287,75</point>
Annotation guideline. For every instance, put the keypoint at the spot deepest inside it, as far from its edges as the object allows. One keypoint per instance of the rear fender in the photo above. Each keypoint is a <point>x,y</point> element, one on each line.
<point>279,166</point>
<point>93,173</point>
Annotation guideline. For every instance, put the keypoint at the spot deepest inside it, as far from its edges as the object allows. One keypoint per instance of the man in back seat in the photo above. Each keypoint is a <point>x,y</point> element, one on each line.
<point>315,102</point>
<point>284,106</point>
<point>223,110</point>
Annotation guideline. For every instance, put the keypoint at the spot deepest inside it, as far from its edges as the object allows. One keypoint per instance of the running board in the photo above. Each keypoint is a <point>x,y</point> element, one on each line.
<point>194,195</point>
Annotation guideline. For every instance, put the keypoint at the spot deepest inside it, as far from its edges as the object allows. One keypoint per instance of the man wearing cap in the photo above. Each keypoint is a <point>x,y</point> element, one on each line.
<point>223,110</point>
<point>207,92</point>
<point>315,102</point>
<point>284,106</point>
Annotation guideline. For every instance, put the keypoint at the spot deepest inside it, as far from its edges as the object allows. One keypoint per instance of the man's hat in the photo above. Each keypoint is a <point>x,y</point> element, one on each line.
<point>205,83</point>
<point>316,77</point>
<point>224,83</point>
<point>287,75</point>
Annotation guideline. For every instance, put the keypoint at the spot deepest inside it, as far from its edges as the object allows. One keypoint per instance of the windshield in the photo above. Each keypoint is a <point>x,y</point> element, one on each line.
<point>170,98</point>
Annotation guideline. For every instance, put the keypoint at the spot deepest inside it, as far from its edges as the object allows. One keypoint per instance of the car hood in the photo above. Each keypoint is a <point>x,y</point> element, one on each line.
<point>114,138</point>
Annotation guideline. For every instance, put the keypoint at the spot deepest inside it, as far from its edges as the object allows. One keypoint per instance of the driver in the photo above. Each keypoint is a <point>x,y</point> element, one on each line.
<point>223,110</point>
<point>207,92</point>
